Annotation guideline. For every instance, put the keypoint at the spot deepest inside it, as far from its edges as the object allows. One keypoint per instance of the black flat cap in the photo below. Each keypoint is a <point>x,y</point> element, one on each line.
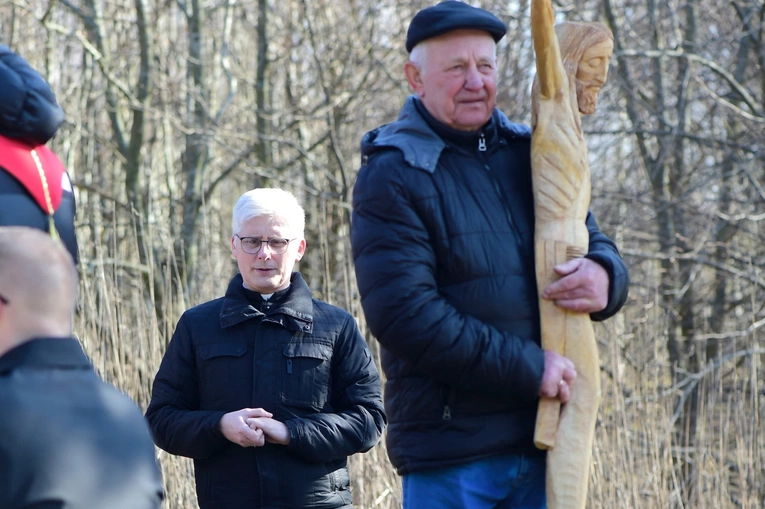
<point>451,15</point>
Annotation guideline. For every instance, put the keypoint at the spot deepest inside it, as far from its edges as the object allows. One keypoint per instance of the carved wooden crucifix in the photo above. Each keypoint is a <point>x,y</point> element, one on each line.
<point>572,64</point>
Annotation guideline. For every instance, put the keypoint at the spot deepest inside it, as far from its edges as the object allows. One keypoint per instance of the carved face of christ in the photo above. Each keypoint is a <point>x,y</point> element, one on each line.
<point>591,74</point>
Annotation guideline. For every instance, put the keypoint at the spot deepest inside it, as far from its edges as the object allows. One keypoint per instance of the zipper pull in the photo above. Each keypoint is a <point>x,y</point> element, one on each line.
<point>482,143</point>
<point>289,366</point>
<point>447,415</point>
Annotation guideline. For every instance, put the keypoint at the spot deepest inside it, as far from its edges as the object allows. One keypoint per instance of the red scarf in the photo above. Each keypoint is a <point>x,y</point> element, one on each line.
<point>17,159</point>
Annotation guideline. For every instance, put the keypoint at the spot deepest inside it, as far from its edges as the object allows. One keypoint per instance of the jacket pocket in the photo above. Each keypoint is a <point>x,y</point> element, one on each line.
<point>212,350</point>
<point>224,370</point>
<point>306,374</point>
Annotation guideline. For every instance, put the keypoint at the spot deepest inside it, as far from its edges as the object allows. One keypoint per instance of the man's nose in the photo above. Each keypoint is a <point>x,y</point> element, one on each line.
<point>473,79</point>
<point>265,251</point>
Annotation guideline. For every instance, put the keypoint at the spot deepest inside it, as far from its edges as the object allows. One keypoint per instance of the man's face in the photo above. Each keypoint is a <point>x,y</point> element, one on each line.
<point>591,74</point>
<point>458,80</point>
<point>266,271</point>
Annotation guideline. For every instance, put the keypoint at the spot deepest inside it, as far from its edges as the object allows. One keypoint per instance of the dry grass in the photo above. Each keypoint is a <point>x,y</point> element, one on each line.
<point>637,460</point>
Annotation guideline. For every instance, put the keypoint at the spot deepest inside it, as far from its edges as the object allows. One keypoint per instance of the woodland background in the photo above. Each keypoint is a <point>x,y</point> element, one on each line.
<point>175,107</point>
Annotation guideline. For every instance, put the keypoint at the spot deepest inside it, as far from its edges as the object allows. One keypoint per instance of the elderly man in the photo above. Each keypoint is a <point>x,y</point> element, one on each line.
<point>67,439</point>
<point>267,389</point>
<point>443,243</point>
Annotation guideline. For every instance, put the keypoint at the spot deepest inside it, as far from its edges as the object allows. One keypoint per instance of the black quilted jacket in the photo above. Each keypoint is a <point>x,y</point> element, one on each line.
<point>303,360</point>
<point>442,237</point>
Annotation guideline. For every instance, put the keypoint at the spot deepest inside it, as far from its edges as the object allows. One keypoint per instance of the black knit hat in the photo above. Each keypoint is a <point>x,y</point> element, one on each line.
<point>28,109</point>
<point>451,15</point>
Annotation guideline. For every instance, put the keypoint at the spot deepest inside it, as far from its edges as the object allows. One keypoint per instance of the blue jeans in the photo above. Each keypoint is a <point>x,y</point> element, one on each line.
<point>510,481</point>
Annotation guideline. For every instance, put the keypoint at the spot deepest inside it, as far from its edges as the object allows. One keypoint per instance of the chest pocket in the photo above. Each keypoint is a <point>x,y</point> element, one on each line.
<point>306,374</point>
<point>224,369</point>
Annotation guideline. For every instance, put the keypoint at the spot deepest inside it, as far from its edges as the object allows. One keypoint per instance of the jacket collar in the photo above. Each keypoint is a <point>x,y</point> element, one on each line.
<point>47,178</point>
<point>294,311</point>
<point>417,141</point>
<point>45,353</point>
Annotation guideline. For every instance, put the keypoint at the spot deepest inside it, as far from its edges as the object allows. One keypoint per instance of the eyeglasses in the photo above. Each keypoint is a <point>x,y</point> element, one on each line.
<point>4,300</point>
<point>252,245</point>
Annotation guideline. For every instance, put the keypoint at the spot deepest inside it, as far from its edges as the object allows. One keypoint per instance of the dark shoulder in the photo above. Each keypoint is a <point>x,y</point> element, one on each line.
<point>329,312</point>
<point>204,311</point>
<point>118,405</point>
<point>383,175</point>
<point>10,184</point>
<point>511,130</point>
<point>383,158</point>
<point>331,320</point>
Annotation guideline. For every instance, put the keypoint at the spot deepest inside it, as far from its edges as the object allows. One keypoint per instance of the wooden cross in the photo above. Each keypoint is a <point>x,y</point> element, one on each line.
<point>561,179</point>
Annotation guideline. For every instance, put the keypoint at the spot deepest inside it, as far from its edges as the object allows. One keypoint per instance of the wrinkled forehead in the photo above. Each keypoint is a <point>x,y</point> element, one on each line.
<point>459,45</point>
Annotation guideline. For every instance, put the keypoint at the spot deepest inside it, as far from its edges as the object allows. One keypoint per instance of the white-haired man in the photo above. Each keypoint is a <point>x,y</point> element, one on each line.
<point>443,244</point>
<point>266,388</point>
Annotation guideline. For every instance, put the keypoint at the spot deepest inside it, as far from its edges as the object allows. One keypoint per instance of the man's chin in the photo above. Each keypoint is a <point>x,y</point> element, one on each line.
<point>260,285</point>
<point>472,120</point>
<point>470,127</point>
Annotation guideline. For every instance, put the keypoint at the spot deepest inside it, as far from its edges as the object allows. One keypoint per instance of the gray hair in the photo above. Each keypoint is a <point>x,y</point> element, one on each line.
<point>419,55</point>
<point>269,202</point>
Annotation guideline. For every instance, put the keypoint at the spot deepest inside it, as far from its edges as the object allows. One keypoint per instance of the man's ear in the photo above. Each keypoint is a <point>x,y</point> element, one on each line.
<point>301,250</point>
<point>414,77</point>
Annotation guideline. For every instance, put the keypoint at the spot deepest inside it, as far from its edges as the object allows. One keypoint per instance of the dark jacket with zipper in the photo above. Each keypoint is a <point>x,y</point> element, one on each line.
<point>297,357</point>
<point>443,245</point>
<point>30,115</point>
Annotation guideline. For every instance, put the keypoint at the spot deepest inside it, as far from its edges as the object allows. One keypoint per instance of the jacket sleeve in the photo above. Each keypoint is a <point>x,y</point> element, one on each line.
<point>358,420</point>
<point>396,271</point>
<point>603,251</point>
<point>64,218</point>
<point>177,425</point>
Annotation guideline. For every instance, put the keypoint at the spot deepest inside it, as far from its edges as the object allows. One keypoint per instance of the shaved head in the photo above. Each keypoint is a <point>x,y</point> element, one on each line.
<point>39,281</point>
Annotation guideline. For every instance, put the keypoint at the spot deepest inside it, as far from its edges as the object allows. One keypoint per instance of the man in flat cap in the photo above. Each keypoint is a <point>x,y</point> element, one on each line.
<point>443,243</point>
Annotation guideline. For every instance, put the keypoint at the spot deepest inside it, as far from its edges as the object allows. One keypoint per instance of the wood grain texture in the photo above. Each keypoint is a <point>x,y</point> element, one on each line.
<point>561,179</point>
<point>549,253</point>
